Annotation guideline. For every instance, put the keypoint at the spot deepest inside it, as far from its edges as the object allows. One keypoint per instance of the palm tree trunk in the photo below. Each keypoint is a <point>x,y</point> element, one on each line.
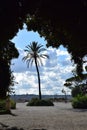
<point>38,79</point>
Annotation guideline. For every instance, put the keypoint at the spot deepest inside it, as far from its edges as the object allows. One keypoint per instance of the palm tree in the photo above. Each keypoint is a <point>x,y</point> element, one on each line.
<point>34,55</point>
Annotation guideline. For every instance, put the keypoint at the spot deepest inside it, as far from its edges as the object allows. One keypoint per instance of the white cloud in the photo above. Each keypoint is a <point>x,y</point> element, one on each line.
<point>53,74</point>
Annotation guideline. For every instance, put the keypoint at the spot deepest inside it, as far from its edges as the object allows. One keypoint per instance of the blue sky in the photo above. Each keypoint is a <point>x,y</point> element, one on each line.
<point>53,73</point>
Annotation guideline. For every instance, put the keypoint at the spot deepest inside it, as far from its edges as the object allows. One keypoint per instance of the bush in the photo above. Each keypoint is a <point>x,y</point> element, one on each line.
<point>76,91</point>
<point>13,104</point>
<point>80,102</point>
<point>3,106</point>
<point>3,109</point>
<point>38,102</point>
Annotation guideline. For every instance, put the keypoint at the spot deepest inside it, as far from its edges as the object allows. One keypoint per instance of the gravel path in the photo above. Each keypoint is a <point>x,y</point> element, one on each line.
<point>59,117</point>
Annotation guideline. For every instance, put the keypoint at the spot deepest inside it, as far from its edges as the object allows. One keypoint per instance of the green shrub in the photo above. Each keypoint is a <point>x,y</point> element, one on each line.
<point>13,104</point>
<point>80,102</point>
<point>3,109</point>
<point>38,102</point>
<point>2,104</point>
<point>76,91</point>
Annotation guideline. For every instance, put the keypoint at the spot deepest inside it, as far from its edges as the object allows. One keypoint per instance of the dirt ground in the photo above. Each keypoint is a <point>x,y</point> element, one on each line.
<point>61,116</point>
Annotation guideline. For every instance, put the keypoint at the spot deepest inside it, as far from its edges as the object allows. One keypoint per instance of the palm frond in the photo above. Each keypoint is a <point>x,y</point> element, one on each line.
<point>40,60</point>
<point>32,60</point>
<point>24,58</point>
<point>28,51</point>
<point>44,56</point>
<point>41,50</point>
<point>29,62</point>
<point>33,50</point>
<point>39,46</point>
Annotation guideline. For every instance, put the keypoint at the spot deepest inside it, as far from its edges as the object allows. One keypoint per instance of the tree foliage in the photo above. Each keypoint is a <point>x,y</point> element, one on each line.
<point>60,22</point>
<point>7,53</point>
<point>78,85</point>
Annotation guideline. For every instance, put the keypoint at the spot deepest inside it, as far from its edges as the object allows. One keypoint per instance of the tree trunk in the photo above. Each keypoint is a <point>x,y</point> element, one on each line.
<point>8,104</point>
<point>38,79</point>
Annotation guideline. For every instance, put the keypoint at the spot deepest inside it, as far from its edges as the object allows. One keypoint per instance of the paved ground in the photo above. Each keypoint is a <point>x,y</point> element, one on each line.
<point>59,117</point>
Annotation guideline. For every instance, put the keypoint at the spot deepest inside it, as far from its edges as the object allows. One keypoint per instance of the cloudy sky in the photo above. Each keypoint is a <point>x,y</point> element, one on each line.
<point>53,73</point>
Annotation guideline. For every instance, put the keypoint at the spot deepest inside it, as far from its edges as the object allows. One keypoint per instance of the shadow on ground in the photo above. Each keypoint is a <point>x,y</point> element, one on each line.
<point>14,128</point>
<point>6,127</point>
<point>38,129</point>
